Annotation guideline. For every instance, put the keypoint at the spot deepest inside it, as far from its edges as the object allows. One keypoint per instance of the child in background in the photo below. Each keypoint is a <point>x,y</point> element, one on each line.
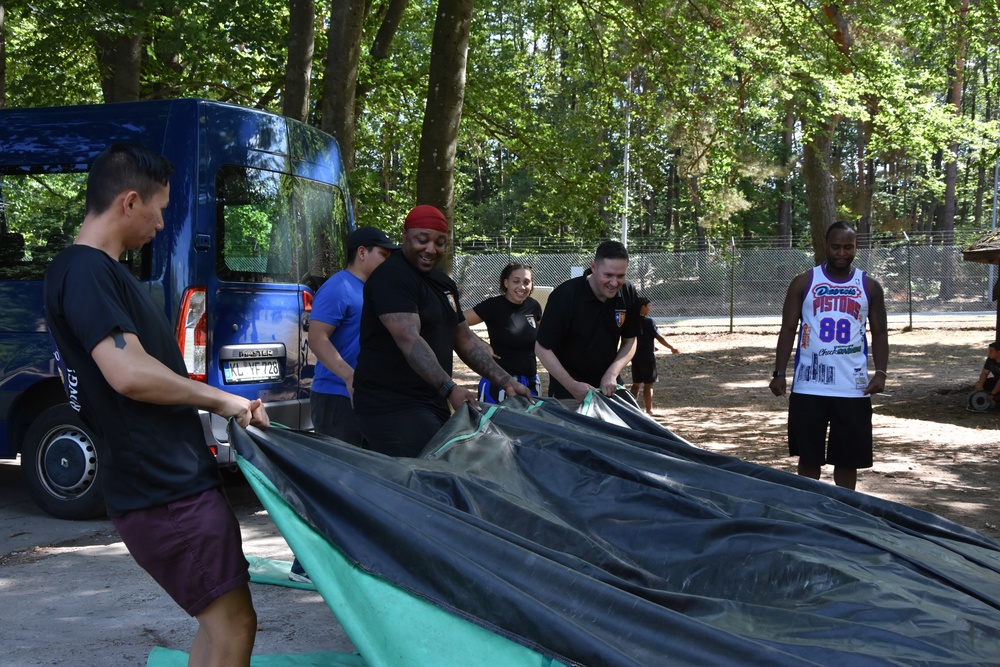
<point>992,366</point>
<point>644,361</point>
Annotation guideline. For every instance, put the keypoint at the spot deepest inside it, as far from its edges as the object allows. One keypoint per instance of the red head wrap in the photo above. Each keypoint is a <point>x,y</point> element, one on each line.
<point>426,217</point>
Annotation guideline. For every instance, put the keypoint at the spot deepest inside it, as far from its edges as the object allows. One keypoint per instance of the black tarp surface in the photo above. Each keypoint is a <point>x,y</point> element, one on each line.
<point>604,539</point>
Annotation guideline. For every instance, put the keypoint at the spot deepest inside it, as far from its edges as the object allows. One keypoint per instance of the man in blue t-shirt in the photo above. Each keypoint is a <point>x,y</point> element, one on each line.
<point>334,328</point>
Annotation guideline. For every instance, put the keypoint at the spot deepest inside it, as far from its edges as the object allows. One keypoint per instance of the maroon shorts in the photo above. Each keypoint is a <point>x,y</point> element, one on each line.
<point>192,547</point>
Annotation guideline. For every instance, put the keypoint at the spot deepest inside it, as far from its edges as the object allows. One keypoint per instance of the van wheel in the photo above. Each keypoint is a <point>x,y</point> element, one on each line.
<point>59,464</point>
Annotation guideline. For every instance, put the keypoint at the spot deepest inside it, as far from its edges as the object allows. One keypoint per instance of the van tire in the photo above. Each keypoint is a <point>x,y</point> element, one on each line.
<point>59,464</point>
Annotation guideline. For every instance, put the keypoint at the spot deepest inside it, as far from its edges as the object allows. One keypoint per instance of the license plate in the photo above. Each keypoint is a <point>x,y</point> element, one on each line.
<point>257,370</point>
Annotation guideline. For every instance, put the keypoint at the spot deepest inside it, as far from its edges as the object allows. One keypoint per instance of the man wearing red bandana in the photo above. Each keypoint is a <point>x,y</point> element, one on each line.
<point>411,324</point>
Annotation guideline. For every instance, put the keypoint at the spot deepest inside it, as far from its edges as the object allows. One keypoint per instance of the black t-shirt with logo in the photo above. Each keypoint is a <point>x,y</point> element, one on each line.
<point>384,378</point>
<point>512,328</point>
<point>585,332</point>
<point>149,454</point>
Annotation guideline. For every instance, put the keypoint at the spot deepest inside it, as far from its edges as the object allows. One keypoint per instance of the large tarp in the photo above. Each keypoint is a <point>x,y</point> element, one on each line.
<point>597,537</point>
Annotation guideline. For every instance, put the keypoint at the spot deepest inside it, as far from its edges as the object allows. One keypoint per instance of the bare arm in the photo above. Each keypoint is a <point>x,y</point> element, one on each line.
<point>328,354</point>
<point>791,311</point>
<point>133,373</point>
<point>471,318</point>
<point>664,343</point>
<point>479,357</point>
<point>609,383</point>
<point>405,331</point>
<point>557,371</point>
<point>878,324</point>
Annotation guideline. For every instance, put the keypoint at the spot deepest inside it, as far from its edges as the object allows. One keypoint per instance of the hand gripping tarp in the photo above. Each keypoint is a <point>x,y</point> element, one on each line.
<point>599,538</point>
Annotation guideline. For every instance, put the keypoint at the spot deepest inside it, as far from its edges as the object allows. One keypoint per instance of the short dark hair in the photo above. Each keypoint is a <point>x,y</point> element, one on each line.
<point>995,345</point>
<point>642,301</point>
<point>840,224</point>
<point>511,268</point>
<point>611,250</point>
<point>125,166</point>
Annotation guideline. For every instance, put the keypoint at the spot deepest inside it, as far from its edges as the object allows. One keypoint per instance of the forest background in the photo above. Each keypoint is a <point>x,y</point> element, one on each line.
<point>546,124</point>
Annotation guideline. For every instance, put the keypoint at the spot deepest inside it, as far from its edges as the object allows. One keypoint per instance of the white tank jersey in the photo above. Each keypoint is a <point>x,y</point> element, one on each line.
<point>832,354</point>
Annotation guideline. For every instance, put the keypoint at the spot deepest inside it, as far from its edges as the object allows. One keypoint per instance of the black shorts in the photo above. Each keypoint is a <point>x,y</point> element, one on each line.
<point>191,547</point>
<point>644,371</point>
<point>850,422</point>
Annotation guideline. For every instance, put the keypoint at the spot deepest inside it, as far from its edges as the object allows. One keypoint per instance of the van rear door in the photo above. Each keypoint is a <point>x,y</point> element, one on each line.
<point>277,236</point>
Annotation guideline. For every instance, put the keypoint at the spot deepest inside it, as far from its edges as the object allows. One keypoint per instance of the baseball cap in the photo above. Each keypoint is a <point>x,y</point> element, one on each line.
<point>365,237</point>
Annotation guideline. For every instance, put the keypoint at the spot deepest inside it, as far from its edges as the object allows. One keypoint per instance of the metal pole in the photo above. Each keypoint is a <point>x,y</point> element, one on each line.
<point>732,282</point>
<point>993,224</point>
<point>909,278</point>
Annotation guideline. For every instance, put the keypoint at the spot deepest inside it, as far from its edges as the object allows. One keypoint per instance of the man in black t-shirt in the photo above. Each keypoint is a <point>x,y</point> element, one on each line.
<point>411,323</point>
<point>126,377</point>
<point>588,333</point>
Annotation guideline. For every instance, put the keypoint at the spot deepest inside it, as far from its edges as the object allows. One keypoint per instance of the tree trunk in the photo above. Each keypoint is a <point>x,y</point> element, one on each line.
<point>119,56</point>
<point>784,239</point>
<point>443,112</point>
<point>865,194</point>
<point>301,43</point>
<point>820,192</point>
<point>951,168</point>
<point>341,76</point>
<point>3,58</point>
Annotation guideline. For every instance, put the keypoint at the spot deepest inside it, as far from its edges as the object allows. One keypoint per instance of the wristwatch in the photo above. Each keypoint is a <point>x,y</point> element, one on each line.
<point>778,374</point>
<point>444,391</point>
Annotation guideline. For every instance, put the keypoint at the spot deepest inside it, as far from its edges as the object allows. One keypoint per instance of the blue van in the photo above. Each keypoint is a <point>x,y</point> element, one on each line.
<point>259,216</point>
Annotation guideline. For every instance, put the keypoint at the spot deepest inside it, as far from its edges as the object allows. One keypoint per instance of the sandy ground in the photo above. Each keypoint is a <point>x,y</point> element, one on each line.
<point>72,596</point>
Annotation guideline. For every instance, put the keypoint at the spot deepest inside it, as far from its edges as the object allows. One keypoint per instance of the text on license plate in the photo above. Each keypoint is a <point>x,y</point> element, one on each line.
<point>257,370</point>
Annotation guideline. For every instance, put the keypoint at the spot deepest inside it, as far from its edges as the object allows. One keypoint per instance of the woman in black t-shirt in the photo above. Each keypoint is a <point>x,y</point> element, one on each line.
<point>512,320</point>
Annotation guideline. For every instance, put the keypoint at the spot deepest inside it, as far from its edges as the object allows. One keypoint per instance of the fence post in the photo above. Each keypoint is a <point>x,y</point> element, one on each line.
<point>732,282</point>
<point>909,277</point>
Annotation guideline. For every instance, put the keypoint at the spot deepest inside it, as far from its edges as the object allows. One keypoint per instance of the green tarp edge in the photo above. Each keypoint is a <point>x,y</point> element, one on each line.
<point>388,626</point>
<point>165,657</point>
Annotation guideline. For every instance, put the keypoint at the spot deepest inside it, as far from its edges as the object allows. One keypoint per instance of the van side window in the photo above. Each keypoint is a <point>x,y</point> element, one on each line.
<point>41,209</point>
<point>277,228</point>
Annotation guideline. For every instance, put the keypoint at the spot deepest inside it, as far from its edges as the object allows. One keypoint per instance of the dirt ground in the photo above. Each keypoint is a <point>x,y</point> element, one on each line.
<point>930,451</point>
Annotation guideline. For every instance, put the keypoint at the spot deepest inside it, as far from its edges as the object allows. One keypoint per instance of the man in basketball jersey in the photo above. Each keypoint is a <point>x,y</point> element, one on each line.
<point>831,384</point>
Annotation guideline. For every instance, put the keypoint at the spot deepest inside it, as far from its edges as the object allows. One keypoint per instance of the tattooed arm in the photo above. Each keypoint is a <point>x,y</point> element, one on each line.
<point>477,356</point>
<point>405,330</point>
<point>133,373</point>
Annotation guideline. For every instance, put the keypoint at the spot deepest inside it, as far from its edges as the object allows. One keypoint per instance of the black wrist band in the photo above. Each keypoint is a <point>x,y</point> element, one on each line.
<point>778,374</point>
<point>444,391</point>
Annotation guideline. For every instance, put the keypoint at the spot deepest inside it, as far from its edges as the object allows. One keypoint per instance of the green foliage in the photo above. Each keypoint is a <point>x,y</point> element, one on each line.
<point>697,94</point>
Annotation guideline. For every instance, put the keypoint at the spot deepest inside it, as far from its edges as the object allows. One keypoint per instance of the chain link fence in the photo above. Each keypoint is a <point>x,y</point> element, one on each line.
<point>751,282</point>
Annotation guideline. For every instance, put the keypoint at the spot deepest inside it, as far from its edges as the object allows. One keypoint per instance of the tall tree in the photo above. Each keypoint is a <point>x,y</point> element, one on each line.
<point>119,41</point>
<point>443,112</point>
<point>301,44</point>
<point>3,57</point>
<point>947,222</point>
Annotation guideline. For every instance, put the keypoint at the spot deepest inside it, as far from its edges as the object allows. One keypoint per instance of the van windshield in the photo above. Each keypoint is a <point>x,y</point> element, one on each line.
<point>279,228</point>
<point>41,210</point>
